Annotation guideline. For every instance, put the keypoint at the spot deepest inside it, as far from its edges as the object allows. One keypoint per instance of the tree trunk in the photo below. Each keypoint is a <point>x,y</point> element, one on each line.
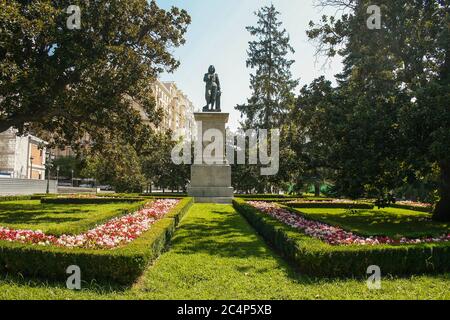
<point>442,209</point>
<point>317,189</point>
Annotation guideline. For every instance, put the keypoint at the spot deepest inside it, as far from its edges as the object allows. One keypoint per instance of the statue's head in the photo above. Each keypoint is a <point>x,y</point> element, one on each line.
<point>211,69</point>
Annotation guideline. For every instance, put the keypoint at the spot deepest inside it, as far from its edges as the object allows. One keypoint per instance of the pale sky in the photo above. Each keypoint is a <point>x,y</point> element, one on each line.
<point>217,36</point>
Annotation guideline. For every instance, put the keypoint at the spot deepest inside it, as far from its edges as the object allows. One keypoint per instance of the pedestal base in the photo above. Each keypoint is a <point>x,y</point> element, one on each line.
<point>214,200</point>
<point>211,184</point>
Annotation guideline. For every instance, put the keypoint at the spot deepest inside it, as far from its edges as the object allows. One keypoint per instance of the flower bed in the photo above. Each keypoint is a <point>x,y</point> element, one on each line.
<point>114,233</point>
<point>315,257</point>
<point>133,247</point>
<point>330,234</point>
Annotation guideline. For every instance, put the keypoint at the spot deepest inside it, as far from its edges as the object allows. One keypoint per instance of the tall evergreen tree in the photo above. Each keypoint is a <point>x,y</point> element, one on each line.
<point>271,82</point>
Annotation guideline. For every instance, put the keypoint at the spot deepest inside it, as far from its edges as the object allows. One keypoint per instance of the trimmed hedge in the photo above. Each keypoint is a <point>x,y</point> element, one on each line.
<point>317,258</point>
<point>266,196</point>
<point>14,198</point>
<point>330,205</point>
<point>118,195</point>
<point>51,200</point>
<point>277,200</point>
<point>413,208</point>
<point>20,198</point>
<point>121,266</point>
<point>162,195</point>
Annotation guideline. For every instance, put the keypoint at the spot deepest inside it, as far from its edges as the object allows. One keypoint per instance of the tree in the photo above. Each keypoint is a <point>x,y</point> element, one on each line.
<point>118,165</point>
<point>394,94</point>
<point>272,96</point>
<point>271,83</point>
<point>68,164</point>
<point>75,82</point>
<point>158,167</point>
<point>311,133</point>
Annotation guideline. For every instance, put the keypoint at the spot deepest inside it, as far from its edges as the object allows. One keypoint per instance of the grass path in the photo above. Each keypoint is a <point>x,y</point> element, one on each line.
<point>215,254</point>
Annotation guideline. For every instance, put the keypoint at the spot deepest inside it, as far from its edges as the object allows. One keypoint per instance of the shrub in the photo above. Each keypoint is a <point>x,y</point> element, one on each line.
<point>161,195</point>
<point>118,195</point>
<point>20,198</point>
<point>413,208</point>
<point>265,196</point>
<point>122,265</point>
<point>330,205</point>
<point>51,200</point>
<point>277,200</point>
<point>15,198</point>
<point>316,258</point>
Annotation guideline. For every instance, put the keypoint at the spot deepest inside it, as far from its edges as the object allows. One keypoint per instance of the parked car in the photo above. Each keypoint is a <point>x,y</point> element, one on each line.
<point>85,186</point>
<point>105,188</point>
<point>64,184</point>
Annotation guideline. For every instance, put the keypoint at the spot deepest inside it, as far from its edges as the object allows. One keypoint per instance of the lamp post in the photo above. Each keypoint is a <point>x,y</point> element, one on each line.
<point>31,167</point>
<point>48,167</point>
<point>57,175</point>
<point>72,178</point>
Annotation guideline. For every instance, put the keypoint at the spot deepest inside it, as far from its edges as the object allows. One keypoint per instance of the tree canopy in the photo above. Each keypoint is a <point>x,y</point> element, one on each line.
<point>69,83</point>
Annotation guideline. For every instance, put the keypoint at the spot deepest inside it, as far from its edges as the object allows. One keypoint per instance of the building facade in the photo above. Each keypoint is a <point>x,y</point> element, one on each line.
<point>178,110</point>
<point>21,157</point>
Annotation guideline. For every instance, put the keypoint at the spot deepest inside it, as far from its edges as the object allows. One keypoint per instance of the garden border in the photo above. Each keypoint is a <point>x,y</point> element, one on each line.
<point>328,205</point>
<point>121,266</point>
<point>412,208</point>
<point>317,258</point>
<point>101,200</point>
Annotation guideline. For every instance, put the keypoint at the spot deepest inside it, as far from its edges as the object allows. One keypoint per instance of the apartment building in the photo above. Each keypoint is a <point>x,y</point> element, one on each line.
<point>177,108</point>
<point>21,157</point>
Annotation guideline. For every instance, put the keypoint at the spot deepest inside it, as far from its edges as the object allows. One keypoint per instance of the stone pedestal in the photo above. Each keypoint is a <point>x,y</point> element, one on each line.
<point>211,179</point>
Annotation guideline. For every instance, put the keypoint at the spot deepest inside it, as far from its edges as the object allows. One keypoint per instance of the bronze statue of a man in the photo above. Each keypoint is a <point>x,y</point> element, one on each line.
<point>213,91</point>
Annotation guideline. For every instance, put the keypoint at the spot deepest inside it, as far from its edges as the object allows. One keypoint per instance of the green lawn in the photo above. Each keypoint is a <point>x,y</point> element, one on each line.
<point>58,219</point>
<point>391,222</point>
<point>215,254</point>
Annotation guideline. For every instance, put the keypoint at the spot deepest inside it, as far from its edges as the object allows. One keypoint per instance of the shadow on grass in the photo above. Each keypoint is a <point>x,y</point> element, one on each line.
<point>25,218</point>
<point>39,213</point>
<point>224,236</point>
<point>92,287</point>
